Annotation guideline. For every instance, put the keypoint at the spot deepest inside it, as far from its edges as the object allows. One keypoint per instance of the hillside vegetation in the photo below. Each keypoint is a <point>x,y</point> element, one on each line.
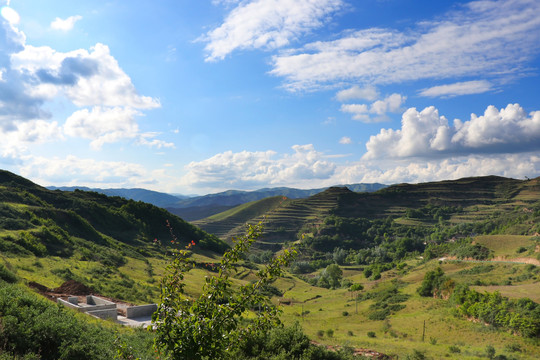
<point>436,270</point>
<point>52,236</point>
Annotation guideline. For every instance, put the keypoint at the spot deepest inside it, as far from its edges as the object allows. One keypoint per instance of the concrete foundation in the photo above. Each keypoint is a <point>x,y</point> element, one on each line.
<point>140,311</point>
<point>104,314</point>
<point>74,300</point>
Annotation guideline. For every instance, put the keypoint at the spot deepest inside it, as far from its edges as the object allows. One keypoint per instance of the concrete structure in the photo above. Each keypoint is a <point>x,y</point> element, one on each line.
<point>94,306</point>
<point>105,309</point>
<point>133,312</point>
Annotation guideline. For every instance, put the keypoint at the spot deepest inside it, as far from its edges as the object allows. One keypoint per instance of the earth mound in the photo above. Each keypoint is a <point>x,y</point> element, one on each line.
<point>73,287</point>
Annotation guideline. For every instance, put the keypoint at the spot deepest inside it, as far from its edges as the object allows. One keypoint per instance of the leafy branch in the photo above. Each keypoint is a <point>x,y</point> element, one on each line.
<point>223,315</point>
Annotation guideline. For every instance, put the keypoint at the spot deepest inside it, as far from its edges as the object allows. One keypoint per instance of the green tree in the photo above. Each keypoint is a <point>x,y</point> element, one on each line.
<point>331,276</point>
<point>215,322</point>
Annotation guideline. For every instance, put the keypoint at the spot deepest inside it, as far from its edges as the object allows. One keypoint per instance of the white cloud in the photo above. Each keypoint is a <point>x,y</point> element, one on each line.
<point>359,111</point>
<point>109,125</point>
<point>102,125</point>
<point>148,139</point>
<point>379,108</point>
<point>308,168</point>
<point>345,140</point>
<point>457,89</point>
<point>391,104</point>
<point>426,134</point>
<point>495,38</point>
<point>16,139</point>
<point>10,15</point>
<point>87,78</point>
<point>266,24</point>
<point>509,165</point>
<point>65,24</point>
<point>72,170</point>
<point>355,92</point>
<point>254,169</point>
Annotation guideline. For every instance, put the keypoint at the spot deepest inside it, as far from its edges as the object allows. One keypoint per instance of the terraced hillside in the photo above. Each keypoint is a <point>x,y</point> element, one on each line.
<point>282,217</point>
<point>464,200</point>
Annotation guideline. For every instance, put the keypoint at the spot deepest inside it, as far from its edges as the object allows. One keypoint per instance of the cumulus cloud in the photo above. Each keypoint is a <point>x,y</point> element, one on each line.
<point>102,125</point>
<point>309,168</point>
<point>266,24</point>
<point>495,38</point>
<point>392,172</point>
<point>72,170</point>
<point>252,169</point>
<point>65,24</point>
<point>355,92</point>
<point>109,125</point>
<point>377,111</point>
<point>16,104</point>
<point>345,140</point>
<point>457,89</point>
<point>10,15</point>
<point>16,139</point>
<point>92,80</point>
<point>87,78</point>
<point>427,134</point>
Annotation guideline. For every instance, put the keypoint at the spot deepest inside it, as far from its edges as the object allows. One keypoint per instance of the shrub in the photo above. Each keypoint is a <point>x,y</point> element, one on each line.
<point>512,348</point>
<point>521,249</point>
<point>330,333</point>
<point>345,313</point>
<point>371,334</point>
<point>490,352</point>
<point>454,349</point>
<point>209,325</point>
<point>7,275</point>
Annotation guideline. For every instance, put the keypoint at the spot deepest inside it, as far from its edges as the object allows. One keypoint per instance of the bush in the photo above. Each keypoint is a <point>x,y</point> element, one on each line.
<point>454,349</point>
<point>371,334</point>
<point>33,325</point>
<point>345,313</point>
<point>7,275</point>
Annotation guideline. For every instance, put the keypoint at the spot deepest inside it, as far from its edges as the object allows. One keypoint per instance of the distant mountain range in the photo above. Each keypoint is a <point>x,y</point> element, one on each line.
<point>148,196</point>
<point>198,207</point>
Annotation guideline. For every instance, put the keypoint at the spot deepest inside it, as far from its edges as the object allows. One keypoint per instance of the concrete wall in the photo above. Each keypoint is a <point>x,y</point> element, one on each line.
<point>73,300</point>
<point>104,314</point>
<point>107,305</point>
<point>68,304</point>
<point>94,300</point>
<point>140,311</point>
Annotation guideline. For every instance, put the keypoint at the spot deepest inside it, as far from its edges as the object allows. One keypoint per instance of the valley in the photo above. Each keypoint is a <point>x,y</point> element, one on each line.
<point>354,284</point>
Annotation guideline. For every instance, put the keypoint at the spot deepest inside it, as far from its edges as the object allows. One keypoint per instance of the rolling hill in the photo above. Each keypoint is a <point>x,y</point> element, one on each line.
<point>468,199</point>
<point>196,208</point>
<point>482,233</point>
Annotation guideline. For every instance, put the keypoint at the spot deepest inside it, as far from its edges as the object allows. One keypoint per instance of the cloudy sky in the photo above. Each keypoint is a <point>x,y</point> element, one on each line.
<point>201,96</point>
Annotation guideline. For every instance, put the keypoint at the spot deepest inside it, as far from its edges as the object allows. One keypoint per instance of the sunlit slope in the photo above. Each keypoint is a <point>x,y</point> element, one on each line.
<point>469,200</point>
<point>282,217</point>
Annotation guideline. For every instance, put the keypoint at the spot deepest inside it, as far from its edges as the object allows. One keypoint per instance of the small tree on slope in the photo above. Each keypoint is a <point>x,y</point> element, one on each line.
<point>210,325</point>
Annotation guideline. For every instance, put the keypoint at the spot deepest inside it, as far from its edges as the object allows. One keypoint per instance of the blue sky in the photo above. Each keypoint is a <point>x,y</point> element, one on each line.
<point>202,96</point>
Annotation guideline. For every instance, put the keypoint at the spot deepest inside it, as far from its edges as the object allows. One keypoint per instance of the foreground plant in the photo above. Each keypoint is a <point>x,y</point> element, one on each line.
<point>223,315</point>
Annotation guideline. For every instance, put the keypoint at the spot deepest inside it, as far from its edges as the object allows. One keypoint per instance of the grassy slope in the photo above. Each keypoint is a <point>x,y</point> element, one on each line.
<point>402,332</point>
<point>105,242</point>
<point>480,199</point>
<point>326,307</point>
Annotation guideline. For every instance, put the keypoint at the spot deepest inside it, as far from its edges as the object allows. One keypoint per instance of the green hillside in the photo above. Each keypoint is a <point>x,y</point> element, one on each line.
<point>366,277</point>
<point>469,200</point>
<point>52,236</point>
